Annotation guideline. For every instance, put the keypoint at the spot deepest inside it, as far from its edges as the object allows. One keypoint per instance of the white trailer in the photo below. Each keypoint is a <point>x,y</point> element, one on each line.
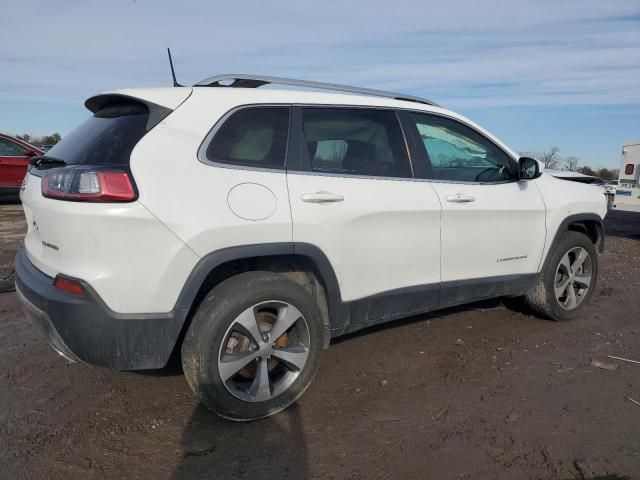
<point>628,190</point>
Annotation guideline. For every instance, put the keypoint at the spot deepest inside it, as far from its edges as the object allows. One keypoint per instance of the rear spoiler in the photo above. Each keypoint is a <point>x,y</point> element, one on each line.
<point>157,113</point>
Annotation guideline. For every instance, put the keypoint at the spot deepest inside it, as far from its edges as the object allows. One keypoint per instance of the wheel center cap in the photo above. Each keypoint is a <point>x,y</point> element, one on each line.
<point>265,350</point>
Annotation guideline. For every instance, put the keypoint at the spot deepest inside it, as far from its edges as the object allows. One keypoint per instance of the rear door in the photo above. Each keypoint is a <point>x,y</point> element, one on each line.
<point>493,226</point>
<point>353,195</point>
<point>13,163</point>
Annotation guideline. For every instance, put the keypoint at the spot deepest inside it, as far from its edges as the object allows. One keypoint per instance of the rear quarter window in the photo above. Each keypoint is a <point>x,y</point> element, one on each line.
<point>253,137</point>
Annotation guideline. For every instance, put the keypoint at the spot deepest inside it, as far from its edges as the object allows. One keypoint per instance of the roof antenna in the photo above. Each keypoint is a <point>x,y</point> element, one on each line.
<point>173,72</point>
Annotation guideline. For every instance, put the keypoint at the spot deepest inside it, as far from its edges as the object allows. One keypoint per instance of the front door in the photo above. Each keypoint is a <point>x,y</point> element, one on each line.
<point>493,226</point>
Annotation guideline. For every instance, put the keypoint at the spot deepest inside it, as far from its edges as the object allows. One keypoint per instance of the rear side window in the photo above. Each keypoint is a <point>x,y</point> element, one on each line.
<point>106,138</point>
<point>255,137</point>
<point>355,141</point>
<point>11,149</point>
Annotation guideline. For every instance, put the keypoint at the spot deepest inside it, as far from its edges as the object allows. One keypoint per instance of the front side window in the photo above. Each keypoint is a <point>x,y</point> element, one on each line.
<point>11,149</point>
<point>255,137</point>
<point>355,141</point>
<point>459,153</point>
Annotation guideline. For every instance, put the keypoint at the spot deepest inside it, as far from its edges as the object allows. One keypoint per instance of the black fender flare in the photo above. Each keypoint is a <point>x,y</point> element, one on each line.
<point>216,258</point>
<point>564,226</point>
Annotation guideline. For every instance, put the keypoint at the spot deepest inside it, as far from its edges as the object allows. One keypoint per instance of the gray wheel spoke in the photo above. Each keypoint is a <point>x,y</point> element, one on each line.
<point>230,364</point>
<point>583,280</point>
<point>561,288</point>
<point>260,389</point>
<point>566,262</point>
<point>571,301</point>
<point>249,325</point>
<point>287,316</point>
<point>579,260</point>
<point>294,357</point>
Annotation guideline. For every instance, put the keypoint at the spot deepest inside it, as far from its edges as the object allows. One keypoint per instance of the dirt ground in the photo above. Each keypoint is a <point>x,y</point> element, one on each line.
<point>480,392</point>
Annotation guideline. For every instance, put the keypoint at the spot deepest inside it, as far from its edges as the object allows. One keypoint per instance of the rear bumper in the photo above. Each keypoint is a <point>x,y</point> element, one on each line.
<point>83,328</point>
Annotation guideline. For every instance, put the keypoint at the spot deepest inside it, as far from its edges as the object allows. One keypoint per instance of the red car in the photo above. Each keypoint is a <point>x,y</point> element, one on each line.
<point>14,160</point>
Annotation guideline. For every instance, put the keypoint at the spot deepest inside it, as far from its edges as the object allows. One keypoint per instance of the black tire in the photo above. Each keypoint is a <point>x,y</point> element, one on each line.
<point>202,346</point>
<point>541,298</point>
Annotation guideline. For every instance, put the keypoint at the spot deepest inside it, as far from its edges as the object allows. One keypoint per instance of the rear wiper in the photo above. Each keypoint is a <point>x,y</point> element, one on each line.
<point>36,162</point>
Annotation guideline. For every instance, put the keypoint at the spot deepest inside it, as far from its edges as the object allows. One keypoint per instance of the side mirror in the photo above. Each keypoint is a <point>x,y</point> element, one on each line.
<point>30,153</point>
<point>529,168</point>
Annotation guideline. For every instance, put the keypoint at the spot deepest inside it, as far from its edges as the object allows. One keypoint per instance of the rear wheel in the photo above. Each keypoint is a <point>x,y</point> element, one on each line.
<point>253,346</point>
<point>567,280</point>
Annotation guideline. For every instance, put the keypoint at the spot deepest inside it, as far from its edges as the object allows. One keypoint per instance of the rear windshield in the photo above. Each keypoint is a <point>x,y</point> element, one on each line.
<point>106,138</point>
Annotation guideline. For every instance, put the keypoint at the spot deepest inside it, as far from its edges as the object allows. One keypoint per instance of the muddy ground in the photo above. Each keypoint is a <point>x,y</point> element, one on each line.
<point>481,392</point>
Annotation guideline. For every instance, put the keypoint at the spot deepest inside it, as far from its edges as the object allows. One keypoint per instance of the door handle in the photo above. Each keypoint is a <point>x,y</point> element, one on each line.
<point>460,198</point>
<point>321,197</point>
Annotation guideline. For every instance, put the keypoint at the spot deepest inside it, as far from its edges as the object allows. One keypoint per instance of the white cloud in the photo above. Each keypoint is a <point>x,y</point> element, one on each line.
<point>460,53</point>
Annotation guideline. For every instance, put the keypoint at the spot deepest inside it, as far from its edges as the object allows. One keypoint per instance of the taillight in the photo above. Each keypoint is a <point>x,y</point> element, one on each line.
<point>69,286</point>
<point>88,185</point>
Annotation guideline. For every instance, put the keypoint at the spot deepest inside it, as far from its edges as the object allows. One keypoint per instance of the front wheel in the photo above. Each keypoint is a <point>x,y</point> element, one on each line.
<point>253,346</point>
<point>567,280</point>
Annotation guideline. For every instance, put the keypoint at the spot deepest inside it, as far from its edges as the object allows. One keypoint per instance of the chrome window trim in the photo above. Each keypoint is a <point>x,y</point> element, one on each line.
<point>202,149</point>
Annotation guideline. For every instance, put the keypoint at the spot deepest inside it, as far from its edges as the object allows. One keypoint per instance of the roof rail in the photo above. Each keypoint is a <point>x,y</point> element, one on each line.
<point>255,81</point>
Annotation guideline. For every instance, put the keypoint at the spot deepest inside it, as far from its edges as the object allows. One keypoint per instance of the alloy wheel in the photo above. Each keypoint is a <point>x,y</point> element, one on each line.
<point>264,350</point>
<point>573,278</point>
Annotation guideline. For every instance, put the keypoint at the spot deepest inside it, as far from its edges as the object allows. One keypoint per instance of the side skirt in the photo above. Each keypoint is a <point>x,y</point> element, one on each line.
<point>407,302</point>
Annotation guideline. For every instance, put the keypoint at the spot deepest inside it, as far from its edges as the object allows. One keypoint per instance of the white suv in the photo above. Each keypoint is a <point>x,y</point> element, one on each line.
<point>245,227</point>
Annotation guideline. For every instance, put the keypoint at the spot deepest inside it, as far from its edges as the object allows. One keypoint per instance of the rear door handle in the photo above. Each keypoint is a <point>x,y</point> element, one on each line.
<point>321,197</point>
<point>460,198</point>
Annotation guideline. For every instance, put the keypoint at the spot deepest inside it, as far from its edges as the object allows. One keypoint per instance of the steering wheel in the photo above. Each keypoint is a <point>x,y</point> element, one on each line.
<point>492,169</point>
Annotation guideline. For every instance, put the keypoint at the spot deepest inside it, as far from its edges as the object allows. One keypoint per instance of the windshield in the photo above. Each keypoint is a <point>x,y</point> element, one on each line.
<point>106,138</point>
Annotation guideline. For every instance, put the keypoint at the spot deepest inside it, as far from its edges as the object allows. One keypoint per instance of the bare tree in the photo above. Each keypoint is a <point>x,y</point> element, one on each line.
<point>550,158</point>
<point>571,163</point>
<point>587,171</point>
<point>607,174</point>
<point>39,141</point>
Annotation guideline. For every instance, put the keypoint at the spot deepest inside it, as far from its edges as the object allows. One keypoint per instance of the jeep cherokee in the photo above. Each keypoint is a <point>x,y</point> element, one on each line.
<point>243,228</point>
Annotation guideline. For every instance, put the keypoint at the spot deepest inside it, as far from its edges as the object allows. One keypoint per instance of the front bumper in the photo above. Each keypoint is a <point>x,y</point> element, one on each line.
<point>83,328</point>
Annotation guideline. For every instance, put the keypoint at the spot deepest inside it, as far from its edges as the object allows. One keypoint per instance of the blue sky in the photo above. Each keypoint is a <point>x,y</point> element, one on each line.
<point>537,74</point>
